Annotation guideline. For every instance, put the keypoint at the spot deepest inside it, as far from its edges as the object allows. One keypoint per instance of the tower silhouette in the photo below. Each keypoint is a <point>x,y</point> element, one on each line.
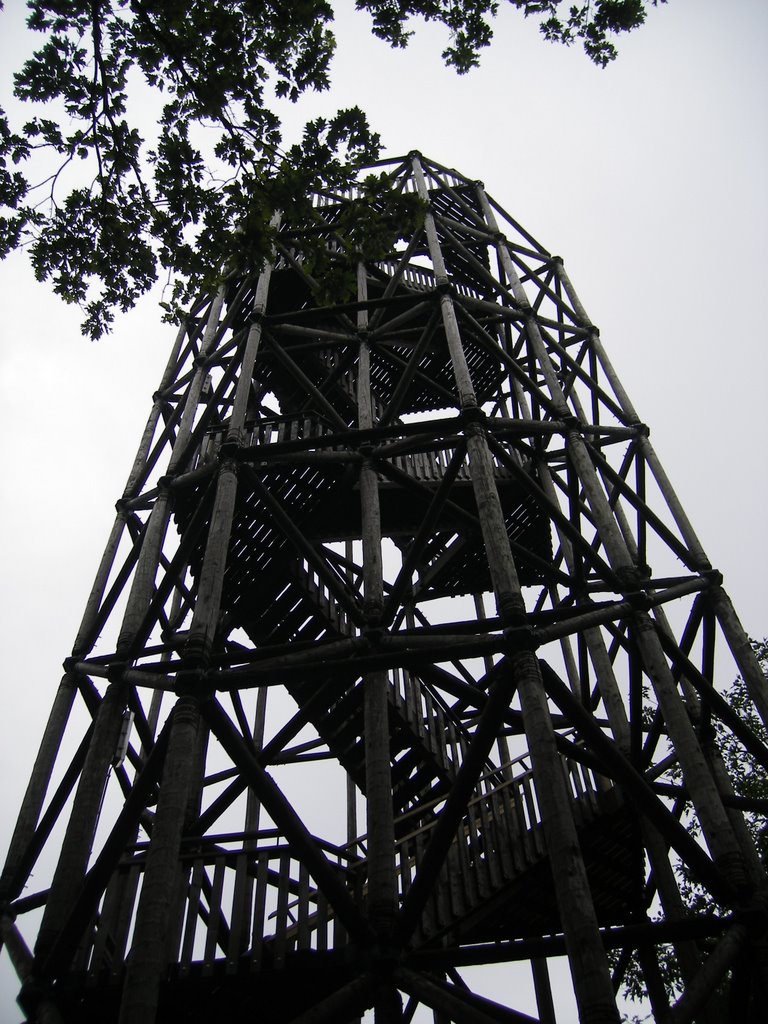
<point>402,659</point>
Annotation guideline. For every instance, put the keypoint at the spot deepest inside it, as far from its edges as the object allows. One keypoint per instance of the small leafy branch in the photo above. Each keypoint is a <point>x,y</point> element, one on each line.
<point>104,211</point>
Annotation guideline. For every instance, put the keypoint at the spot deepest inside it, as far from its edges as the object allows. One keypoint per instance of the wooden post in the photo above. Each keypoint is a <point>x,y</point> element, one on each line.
<point>543,989</point>
<point>378,778</point>
<point>515,460</point>
<point>146,963</point>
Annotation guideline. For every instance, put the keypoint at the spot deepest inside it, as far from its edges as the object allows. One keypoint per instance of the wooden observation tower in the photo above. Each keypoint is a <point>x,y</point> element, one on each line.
<point>402,659</point>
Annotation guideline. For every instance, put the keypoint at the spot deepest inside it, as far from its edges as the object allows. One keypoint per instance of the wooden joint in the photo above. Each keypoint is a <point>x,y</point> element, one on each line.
<point>472,416</point>
<point>571,423</point>
<point>194,682</point>
<point>228,455</point>
<point>631,583</point>
<point>521,638</point>
<point>116,670</point>
<point>373,631</point>
<point>512,611</point>
<point>187,708</point>
<point>733,870</point>
<point>380,957</point>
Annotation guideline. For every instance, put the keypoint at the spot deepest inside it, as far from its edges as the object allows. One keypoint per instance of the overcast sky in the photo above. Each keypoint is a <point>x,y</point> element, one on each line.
<point>648,178</point>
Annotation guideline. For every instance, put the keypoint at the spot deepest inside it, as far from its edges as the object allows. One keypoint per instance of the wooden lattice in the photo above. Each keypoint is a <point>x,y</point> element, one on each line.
<point>402,657</point>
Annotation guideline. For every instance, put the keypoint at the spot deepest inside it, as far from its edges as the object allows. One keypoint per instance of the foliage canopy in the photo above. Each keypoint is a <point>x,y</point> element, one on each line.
<point>106,207</point>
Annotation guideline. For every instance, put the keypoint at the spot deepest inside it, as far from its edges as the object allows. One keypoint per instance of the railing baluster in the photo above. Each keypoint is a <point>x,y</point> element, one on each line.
<point>193,905</point>
<point>240,918</point>
<point>214,916</point>
<point>281,916</point>
<point>303,910</point>
<point>259,908</point>
<point>322,922</point>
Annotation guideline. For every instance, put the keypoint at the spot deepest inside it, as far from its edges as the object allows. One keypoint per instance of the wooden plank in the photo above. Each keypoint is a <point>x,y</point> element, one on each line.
<point>240,916</point>
<point>476,851</point>
<point>259,910</point>
<point>193,909</point>
<point>491,841</point>
<point>214,916</point>
<point>527,846</point>
<point>303,909</point>
<point>322,921</point>
<point>281,912</point>
<point>508,831</point>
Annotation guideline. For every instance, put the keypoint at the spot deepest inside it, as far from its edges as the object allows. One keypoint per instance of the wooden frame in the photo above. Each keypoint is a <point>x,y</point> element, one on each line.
<point>293,590</point>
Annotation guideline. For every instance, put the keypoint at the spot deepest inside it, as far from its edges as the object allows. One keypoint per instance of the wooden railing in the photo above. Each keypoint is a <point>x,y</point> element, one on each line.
<point>272,430</point>
<point>423,279</point>
<point>430,719</point>
<point>500,838</point>
<point>427,466</point>
<point>245,901</point>
<point>322,599</point>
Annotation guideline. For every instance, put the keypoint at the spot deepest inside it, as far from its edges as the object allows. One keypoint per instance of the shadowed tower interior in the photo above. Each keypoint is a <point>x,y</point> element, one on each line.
<point>402,659</point>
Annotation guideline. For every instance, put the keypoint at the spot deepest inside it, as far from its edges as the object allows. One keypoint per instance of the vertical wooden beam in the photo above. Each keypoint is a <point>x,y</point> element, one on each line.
<point>205,617</point>
<point>466,391</point>
<point>382,893</point>
<point>147,959</point>
<point>543,988</point>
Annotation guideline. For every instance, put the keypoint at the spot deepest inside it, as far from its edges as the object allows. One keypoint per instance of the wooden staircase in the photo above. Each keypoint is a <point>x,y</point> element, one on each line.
<point>254,916</point>
<point>426,738</point>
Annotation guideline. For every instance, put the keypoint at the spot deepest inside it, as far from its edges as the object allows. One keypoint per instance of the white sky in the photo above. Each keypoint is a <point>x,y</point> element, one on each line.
<point>649,178</point>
